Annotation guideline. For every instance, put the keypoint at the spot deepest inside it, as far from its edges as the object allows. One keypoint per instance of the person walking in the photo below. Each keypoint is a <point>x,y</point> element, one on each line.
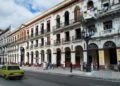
<point>71,67</point>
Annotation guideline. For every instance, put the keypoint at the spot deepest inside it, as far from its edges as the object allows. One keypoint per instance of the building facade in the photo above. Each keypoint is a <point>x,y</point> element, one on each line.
<point>56,36</point>
<point>3,45</point>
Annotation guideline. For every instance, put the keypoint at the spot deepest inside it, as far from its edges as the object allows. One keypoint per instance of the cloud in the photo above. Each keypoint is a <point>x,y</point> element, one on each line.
<point>16,12</point>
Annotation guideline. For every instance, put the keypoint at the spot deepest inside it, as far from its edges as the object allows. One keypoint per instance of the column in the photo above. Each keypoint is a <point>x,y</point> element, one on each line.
<point>101,59</point>
<point>63,59</point>
<point>73,58</point>
<point>85,56</point>
<point>30,58</point>
<point>118,55</point>
<point>40,59</point>
<point>53,58</point>
<point>34,59</point>
<point>46,60</point>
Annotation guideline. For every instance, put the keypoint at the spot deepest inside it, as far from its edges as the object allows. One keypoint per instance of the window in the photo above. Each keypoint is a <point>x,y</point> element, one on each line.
<point>36,43</point>
<point>77,14</point>
<point>107,25</point>
<point>36,31</point>
<point>90,5</point>
<point>78,33</point>
<point>66,18</point>
<point>3,67</point>
<point>42,28</point>
<point>13,68</point>
<point>48,26</point>
<point>58,21</point>
<point>92,29</point>
<point>67,36</point>
<point>31,44</point>
<point>42,42</point>
<point>27,44</point>
<point>48,40</point>
<point>105,4</point>
<point>58,38</point>
<point>32,32</point>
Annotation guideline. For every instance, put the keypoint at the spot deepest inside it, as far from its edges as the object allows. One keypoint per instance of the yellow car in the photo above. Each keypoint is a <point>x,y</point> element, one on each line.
<point>10,71</point>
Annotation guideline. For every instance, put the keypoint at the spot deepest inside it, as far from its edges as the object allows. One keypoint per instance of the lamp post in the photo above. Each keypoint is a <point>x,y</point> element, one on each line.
<point>87,36</point>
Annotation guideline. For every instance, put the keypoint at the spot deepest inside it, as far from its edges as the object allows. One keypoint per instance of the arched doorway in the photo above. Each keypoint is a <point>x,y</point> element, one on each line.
<point>110,54</point>
<point>78,55</point>
<point>67,57</point>
<point>93,55</point>
<point>42,56</point>
<point>32,55</point>
<point>77,13</point>
<point>58,56</point>
<point>28,57</point>
<point>22,52</point>
<point>66,18</point>
<point>37,57</point>
<point>49,55</point>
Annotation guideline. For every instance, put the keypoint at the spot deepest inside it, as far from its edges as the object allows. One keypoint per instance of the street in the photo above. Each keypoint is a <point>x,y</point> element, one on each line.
<point>42,79</point>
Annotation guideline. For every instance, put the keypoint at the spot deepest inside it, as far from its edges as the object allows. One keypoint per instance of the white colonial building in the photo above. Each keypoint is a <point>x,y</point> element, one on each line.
<point>74,31</point>
<point>3,45</point>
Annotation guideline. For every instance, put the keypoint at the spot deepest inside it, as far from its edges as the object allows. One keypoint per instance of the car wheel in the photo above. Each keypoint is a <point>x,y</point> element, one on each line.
<point>5,77</point>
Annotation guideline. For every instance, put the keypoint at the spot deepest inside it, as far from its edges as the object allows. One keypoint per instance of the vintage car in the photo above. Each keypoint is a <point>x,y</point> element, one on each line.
<point>11,71</point>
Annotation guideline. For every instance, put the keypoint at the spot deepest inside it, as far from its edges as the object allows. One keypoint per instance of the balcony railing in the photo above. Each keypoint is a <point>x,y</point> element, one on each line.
<point>31,47</point>
<point>76,39</point>
<point>35,45</point>
<point>27,47</point>
<point>66,40</point>
<point>41,45</point>
<point>57,42</point>
<point>63,25</point>
<point>47,43</point>
<point>110,31</point>
<point>47,31</point>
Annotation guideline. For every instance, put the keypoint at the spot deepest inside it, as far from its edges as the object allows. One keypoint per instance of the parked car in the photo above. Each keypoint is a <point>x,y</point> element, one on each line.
<point>11,71</point>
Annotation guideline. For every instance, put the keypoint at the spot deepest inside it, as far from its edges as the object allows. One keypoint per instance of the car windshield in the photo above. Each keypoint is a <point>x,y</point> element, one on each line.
<point>13,68</point>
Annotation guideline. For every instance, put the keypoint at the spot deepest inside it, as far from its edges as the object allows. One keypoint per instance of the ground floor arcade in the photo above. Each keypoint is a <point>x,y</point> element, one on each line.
<point>100,58</point>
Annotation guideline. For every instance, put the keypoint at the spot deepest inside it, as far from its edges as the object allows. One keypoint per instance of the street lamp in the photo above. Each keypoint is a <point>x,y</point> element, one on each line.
<point>86,34</point>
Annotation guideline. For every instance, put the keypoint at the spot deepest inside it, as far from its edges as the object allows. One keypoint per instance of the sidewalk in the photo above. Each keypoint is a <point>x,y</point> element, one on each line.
<point>101,74</point>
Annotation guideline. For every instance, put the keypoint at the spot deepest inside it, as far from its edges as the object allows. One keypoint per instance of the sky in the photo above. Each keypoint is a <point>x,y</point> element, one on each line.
<point>17,12</point>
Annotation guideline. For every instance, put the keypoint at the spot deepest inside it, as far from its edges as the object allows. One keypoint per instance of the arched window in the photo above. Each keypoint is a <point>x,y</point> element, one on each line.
<point>32,32</point>
<point>77,14</point>
<point>66,18</point>
<point>90,4</point>
<point>36,31</point>
<point>58,21</point>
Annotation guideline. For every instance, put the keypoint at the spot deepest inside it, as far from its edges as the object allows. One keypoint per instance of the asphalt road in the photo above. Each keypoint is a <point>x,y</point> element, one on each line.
<point>41,79</point>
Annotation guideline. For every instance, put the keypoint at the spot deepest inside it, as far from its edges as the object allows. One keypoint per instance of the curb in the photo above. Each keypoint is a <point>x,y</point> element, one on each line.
<point>76,75</point>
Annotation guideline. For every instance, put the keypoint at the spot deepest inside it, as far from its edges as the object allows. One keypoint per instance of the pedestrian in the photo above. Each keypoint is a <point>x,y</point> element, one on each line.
<point>84,66</point>
<point>71,67</point>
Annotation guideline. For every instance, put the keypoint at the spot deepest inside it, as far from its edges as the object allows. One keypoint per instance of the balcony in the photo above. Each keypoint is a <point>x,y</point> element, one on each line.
<point>47,31</point>
<point>47,44</point>
<point>66,40</point>
<point>76,39</point>
<point>35,46</point>
<point>63,26</point>
<point>27,47</point>
<point>108,32</point>
<point>41,45</point>
<point>57,42</point>
<point>31,47</point>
